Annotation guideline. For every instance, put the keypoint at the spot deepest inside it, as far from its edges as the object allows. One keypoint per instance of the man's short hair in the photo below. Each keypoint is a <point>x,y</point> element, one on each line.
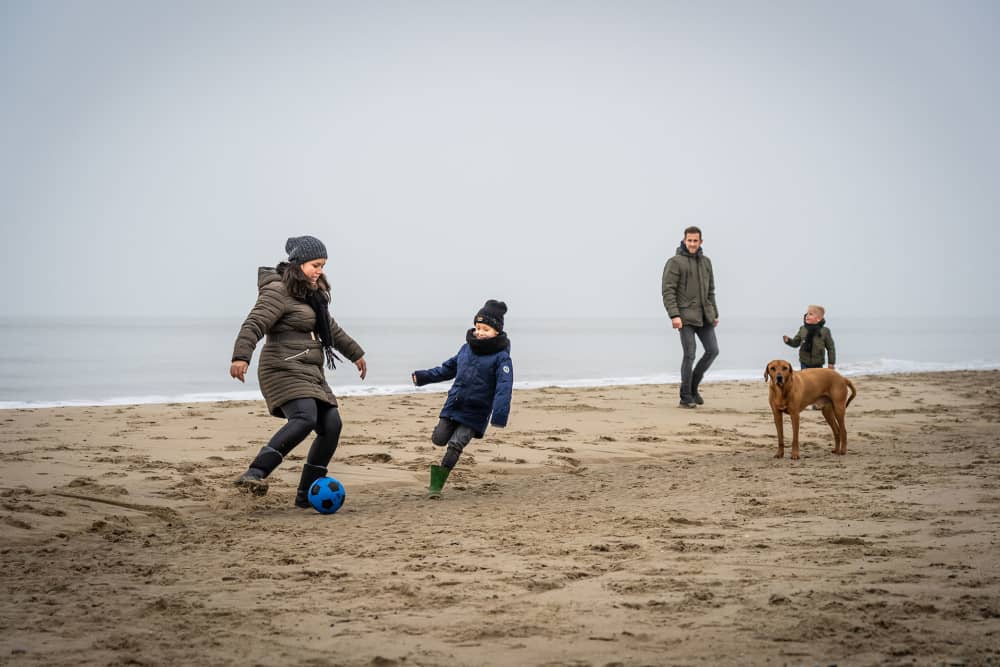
<point>692,230</point>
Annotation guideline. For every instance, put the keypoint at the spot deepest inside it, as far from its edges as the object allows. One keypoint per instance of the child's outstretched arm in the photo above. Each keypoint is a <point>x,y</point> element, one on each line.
<point>445,371</point>
<point>797,340</point>
<point>502,395</point>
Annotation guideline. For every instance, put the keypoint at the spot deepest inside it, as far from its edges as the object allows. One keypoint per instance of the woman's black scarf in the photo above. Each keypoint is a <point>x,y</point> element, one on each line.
<point>811,331</point>
<point>484,346</point>
<point>317,300</point>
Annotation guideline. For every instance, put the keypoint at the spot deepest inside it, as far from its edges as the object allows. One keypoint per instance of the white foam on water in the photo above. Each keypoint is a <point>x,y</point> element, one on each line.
<point>877,367</point>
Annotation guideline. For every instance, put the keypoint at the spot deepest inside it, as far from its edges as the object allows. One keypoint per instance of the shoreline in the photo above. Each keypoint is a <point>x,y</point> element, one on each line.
<point>604,525</point>
<point>360,391</point>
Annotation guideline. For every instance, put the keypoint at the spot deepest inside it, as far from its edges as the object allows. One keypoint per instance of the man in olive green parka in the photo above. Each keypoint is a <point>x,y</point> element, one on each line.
<point>688,288</point>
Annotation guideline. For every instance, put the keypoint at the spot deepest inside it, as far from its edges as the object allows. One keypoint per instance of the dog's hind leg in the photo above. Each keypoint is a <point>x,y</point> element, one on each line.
<point>830,414</point>
<point>841,422</point>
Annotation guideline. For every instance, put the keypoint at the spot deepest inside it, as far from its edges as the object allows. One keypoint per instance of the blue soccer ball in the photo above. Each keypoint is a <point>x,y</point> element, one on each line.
<point>326,495</point>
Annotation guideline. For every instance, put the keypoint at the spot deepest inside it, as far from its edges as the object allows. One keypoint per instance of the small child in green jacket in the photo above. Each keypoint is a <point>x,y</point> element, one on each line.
<point>814,340</point>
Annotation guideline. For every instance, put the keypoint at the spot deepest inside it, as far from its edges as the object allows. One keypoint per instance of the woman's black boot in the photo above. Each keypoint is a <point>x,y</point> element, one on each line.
<point>310,474</point>
<point>254,479</point>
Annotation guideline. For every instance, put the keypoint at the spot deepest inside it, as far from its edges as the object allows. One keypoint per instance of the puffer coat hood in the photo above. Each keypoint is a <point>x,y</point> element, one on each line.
<point>291,361</point>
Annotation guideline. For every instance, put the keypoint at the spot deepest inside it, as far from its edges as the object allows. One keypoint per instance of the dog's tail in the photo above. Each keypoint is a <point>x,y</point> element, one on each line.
<point>854,392</point>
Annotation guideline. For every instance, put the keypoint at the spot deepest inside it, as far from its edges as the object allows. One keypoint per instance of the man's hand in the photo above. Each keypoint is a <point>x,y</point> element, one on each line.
<point>238,369</point>
<point>362,367</point>
<point>676,322</point>
<point>785,338</point>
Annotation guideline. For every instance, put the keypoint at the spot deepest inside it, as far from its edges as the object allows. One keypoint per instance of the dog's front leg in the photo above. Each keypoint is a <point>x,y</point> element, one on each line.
<point>794,416</point>
<point>779,424</point>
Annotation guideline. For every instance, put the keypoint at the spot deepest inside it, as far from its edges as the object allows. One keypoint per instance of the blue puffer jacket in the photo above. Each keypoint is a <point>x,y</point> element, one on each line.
<point>483,384</point>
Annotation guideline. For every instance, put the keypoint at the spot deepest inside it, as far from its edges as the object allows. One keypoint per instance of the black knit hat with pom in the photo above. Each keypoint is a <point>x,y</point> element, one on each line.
<point>492,314</point>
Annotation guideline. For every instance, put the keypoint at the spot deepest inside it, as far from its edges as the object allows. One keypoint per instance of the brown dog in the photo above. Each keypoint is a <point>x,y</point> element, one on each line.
<point>793,391</point>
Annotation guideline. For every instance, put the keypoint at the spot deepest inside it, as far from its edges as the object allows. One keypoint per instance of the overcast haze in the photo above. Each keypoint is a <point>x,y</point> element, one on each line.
<point>545,153</point>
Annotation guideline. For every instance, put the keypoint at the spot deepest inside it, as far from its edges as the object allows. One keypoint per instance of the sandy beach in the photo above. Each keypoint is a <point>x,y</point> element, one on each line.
<point>603,527</point>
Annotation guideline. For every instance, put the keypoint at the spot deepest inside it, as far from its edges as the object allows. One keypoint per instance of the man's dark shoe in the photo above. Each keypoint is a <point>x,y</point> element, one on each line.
<point>698,399</point>
<point>687,404</point>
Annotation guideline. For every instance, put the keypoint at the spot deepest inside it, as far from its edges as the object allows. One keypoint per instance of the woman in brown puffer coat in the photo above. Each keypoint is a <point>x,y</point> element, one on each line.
<point>292,311</point>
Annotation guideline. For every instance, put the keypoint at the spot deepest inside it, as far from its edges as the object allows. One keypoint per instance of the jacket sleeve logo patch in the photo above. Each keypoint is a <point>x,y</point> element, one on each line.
<point>506,369</point>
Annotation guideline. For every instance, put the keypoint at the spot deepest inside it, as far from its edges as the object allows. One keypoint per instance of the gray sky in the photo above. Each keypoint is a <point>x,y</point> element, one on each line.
<point>153,154</point>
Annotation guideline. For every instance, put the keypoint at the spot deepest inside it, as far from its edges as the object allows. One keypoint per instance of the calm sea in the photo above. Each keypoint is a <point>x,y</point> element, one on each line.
<point>108,362</point>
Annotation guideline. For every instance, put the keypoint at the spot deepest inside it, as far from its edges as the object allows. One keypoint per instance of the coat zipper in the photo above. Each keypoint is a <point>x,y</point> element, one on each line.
<point>295,356</point>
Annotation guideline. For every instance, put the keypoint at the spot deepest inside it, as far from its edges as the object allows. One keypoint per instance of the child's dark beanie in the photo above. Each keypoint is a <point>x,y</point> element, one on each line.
<point>492,314</point>
<point>304,249</point>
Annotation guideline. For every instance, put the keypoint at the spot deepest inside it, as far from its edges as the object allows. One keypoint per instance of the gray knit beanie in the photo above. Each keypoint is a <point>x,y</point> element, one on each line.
<point>304,249</point>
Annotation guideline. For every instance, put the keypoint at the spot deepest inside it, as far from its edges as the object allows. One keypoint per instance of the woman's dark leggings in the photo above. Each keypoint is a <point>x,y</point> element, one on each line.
<point>304,416</point>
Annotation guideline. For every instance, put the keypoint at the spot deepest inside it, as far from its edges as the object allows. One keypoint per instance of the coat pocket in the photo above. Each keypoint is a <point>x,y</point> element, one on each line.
<point>297,356</point>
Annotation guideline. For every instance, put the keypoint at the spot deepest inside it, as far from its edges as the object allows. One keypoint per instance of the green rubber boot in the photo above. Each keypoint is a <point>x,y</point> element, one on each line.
<point>439,475</point>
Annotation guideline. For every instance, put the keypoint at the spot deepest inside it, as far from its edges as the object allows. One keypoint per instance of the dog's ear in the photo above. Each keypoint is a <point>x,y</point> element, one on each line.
<point>767,372</point>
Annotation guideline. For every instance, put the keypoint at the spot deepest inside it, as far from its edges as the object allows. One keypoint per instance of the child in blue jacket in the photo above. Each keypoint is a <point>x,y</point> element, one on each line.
<point>484,377</point>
